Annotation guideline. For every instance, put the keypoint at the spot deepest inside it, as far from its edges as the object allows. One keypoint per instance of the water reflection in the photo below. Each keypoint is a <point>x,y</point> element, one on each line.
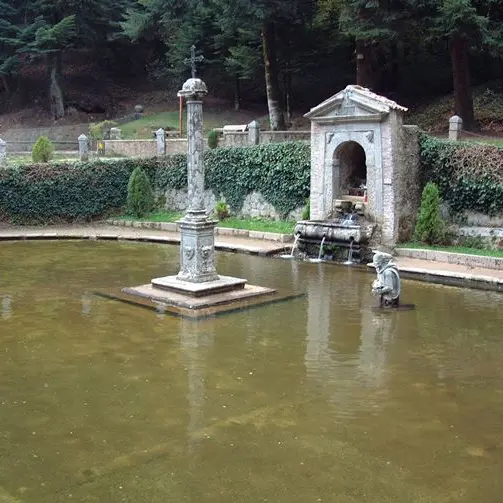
<point>85,301</point>
<point>347,343</point>
<point>6,307</point>
<point>196,342</point>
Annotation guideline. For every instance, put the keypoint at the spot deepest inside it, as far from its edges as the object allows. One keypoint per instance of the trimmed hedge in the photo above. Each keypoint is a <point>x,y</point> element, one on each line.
<point>469,176</point>
<point>82,191</point>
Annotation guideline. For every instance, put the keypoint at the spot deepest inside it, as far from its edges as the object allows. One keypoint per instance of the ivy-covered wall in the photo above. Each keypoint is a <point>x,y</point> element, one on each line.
<point>81,191</point>
<point>469,175</point>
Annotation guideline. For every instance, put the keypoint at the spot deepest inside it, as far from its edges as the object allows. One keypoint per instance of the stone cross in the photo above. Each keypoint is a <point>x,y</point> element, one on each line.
<point>83,147</point>
<point>193,60</point>
<point>3,151</point>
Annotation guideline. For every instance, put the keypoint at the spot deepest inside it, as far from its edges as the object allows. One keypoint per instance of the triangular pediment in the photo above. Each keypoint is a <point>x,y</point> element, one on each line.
<point>354,103</point>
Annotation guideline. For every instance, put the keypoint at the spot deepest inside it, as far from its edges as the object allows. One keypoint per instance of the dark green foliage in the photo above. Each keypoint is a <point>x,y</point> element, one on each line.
<point>469,176</point>
<point>306,212</point>
<point>279,171</point>
<point>213,139</point>
<point>429,226</point>
<point>83,191</point>
<point>140,198</point>
<point>43,150</point>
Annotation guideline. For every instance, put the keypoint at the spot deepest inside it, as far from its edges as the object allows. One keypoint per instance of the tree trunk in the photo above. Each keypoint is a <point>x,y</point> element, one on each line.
<point>463,101</point>
<point>5,83</point>
<point>364,74</point>
<point>55,93</point>
<point>276,117</point>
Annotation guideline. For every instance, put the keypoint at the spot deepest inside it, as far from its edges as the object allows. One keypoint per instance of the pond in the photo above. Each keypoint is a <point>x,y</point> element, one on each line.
<point>319,398</point>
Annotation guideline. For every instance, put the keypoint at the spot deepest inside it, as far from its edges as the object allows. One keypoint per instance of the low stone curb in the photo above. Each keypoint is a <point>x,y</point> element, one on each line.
<point>453,278</point>
<point>219,231</point>
<point>451,258</point>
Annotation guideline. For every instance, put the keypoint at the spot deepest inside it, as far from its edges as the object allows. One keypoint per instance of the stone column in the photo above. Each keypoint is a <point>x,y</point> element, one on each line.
<point>83,148</point>
<point>161,141</point>
<point>193,91</point>
<point>455,127</point>
<point>3,151</point>
<point>197,241</point>
<point>115,133</point>
<point>253,133</point>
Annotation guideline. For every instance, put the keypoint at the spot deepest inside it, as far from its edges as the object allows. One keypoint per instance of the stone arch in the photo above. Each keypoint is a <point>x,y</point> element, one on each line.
<point>349,169</point>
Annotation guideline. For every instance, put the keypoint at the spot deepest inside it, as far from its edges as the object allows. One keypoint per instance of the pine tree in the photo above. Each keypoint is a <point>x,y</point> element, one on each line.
<point>9,42</point>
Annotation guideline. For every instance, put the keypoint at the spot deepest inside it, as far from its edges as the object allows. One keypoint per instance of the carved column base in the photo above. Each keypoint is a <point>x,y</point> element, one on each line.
<point>197,250</point>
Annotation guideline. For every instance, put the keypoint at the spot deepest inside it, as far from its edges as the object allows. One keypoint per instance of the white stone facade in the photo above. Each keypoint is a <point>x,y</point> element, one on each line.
<point>356,115</point>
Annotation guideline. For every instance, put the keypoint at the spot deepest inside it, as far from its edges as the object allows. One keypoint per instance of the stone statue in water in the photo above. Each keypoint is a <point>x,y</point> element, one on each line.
<point>387,284</point>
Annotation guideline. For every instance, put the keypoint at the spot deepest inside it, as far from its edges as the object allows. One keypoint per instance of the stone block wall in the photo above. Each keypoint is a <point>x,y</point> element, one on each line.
<point>144,148</point>
<point>254,205</point>
<point>234,139</point>
<point>131,148</point>
<point>238,139</point>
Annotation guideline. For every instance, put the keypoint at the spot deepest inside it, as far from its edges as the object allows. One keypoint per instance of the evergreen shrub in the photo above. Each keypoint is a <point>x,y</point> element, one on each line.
<point>213,139</point>
<point>43,150</point>
<point>140,198</point>
<point>469,176</point>
<point>222,210</point>
<point>429,226</point>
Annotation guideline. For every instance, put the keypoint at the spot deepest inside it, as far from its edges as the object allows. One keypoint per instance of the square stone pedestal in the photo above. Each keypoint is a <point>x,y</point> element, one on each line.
<point>196,300</point>
<point>220,285</point>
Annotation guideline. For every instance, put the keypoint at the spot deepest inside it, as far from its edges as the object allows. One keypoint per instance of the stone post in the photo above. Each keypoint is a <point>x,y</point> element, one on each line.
<point>161,141</point>
<point>83,147</point>
<point>253,133</point>
<point>115,133</point>
<point>197,241</point>
<point>455,127</point>
<point>3,151</point>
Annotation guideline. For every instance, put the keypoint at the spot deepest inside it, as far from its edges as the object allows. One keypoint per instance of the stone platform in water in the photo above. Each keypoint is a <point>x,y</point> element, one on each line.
<point>195,300</point>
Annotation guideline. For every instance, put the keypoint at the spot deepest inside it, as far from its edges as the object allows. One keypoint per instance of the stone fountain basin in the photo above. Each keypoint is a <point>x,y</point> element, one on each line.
<point>315,230</point>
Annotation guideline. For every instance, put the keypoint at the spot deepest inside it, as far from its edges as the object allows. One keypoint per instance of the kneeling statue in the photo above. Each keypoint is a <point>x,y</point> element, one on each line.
<point>387,284</point>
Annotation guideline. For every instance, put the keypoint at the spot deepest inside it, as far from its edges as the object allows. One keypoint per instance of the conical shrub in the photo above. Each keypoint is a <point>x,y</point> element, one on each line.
<point>140,198</point>
<point>43,150</point>
<point>430,227</point>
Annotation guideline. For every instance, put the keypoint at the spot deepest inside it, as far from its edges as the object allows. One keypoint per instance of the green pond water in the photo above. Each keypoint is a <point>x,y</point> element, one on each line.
<point>315,399</point>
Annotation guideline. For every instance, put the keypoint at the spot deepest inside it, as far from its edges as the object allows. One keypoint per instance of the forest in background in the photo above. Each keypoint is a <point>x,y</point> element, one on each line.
<point>291,54</point>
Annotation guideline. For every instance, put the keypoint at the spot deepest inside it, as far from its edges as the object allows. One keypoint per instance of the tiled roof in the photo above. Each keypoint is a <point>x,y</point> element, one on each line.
<point>363,91</point>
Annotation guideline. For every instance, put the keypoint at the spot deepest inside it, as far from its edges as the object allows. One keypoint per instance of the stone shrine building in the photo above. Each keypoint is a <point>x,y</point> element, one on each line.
<point>362,152</point>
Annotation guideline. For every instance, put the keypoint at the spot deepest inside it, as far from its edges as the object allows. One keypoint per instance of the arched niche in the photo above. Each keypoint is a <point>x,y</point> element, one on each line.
<point>350,167</point>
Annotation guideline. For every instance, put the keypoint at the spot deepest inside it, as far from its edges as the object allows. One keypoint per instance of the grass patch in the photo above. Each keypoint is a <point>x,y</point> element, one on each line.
<point>156,216</point>
<point>259,224</point>
<point>455,249</point>
<point>250,224</point>
<point>497,142</point>
<point>213,118</point>
<point>142,128</point>
<point>18,159</point>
